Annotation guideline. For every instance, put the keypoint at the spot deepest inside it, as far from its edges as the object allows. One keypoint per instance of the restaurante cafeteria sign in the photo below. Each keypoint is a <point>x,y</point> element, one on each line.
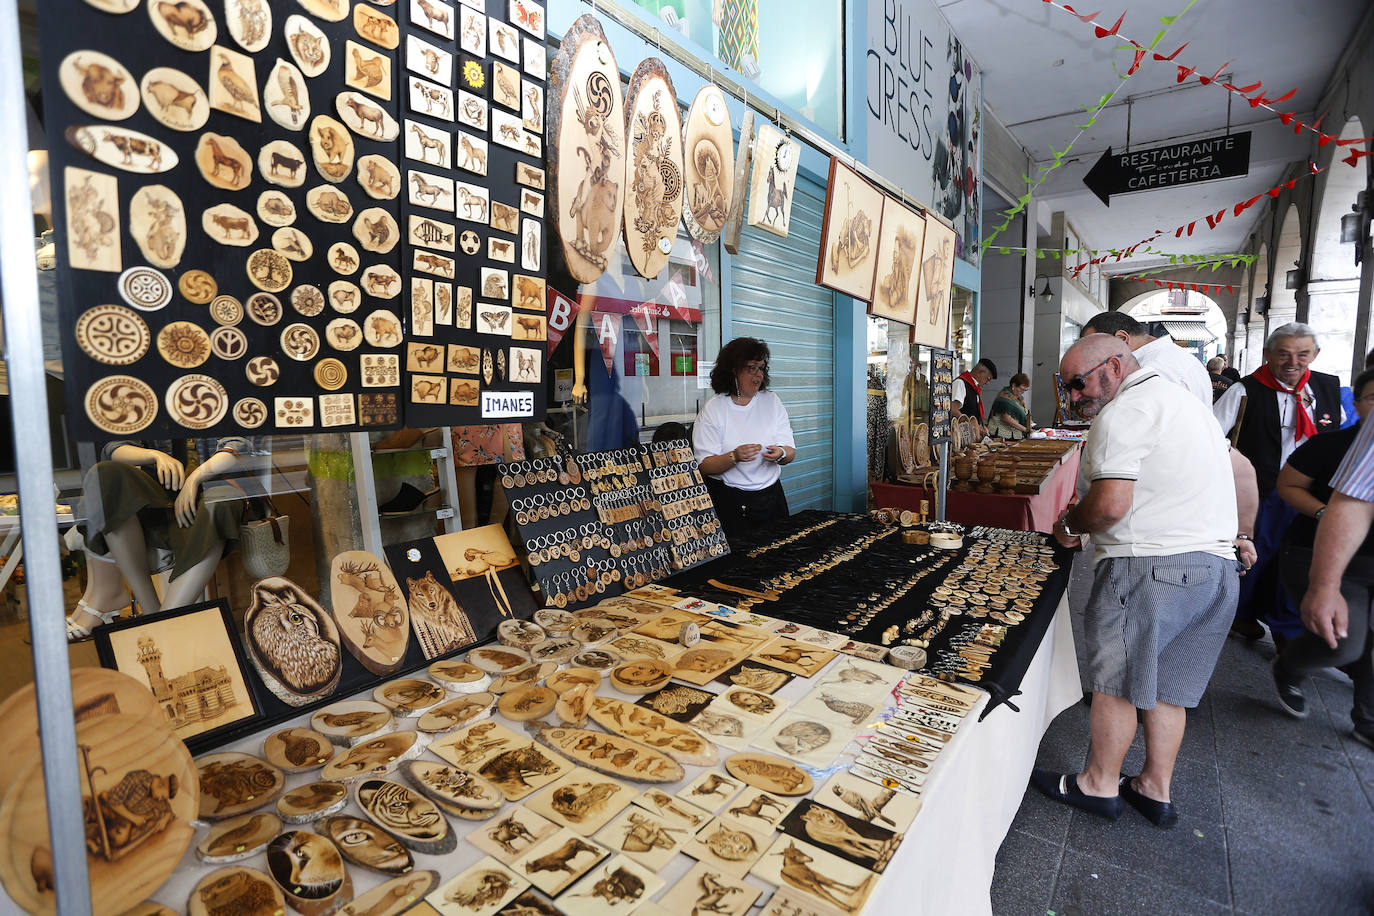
<point>1169,166</point>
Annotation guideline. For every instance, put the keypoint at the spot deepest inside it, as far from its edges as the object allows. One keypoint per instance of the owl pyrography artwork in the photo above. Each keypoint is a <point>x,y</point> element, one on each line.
<point>292,642</point>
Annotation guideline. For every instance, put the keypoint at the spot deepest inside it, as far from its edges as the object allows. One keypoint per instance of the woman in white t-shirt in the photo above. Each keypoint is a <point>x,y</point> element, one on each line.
<point>742,438</point>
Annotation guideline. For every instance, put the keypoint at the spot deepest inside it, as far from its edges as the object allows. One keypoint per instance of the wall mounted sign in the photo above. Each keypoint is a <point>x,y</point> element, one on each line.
<point>1209,159</point>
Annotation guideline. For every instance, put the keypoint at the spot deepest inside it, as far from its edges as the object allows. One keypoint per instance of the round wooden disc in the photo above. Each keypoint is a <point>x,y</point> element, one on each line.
<point>457,713</point>
<point>409,696</point>
<point>499,659</point>
<point>460,676</point>
<point>312,801</point>
<point>374,757</point>
<point>134,762</point>
<point>524,704</point>
<point>522,634</point>
<point>232,783</point>
<point>653,168</point>
<point>238,890</point>
<point>95,692</point>
<point>351,721</point>
<point>554,621</point>
<point>572,677</point>
<point>238,838</point>
<point>296,750</point>
<point>769,773</point>
<point>641,676</point>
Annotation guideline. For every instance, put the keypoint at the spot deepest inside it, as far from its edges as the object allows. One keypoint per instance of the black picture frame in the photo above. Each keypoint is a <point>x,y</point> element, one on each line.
<point>210,692</point>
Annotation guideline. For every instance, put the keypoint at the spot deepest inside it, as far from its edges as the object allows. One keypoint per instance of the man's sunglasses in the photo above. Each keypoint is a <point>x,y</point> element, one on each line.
<point>1080,381</point>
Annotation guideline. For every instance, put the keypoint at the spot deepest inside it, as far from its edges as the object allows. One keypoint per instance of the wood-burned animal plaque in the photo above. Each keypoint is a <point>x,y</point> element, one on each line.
<point>587,155</point>
<point>312,801</point>
<point>479,891</point>
<point>234,84</point>
<point>292,641</point>
<point>638,723</point>
<point>310,871</point>
<point>174,99</point>
<point>236,890</point>
<point>285,95</point>
<point>232,783</point>
<point>373,619</point>
<point>653,168</point>
<point>457,791</point>
<point>407,815</point>
<point>375,756</point>
<point>308,44</point>
<point>774,180</point>
<point>616,886</point>
<point>238,838</point>
<point>99,85</point>
<point>364,843</point>
<point>558,861</point>
<point>296,750</point>
<point>393,897</point>
<point>849,237</point>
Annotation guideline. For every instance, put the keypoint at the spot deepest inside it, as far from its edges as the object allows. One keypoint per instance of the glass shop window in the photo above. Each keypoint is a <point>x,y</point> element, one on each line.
<point>802,67</point>
<point>635,347</point>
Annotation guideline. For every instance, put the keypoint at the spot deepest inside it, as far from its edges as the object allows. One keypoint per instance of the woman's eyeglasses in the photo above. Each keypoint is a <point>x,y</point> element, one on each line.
<point>755,367</point>
<point>1080,381</point>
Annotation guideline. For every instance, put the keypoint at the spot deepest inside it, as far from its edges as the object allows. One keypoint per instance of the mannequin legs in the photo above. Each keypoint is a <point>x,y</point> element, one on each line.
<point>467,496</point>
<point>188,587</point>
<point>130,552</point>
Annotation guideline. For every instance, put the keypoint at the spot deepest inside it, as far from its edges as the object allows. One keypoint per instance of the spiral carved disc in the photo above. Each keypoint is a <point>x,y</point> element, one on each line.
<point>300,342</point>
<point>331,374</point>
<point>197,401</point>
<point>250,413</point>
<point>263,371</point>
<point>121,404</point>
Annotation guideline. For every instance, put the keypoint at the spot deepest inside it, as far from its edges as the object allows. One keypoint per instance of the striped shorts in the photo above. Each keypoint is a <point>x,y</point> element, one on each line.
<point>1155,626</point>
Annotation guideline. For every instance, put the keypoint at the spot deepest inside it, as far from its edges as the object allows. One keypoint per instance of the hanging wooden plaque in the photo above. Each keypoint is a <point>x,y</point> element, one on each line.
<point>734,226</point>
<point>587,153</point>
<point>653,168</point>
<point>708,153</point>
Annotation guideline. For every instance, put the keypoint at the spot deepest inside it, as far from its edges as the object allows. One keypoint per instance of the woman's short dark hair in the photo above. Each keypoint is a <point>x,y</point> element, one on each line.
<point>1364,378</point>
<point>732,358</point>
<point>1021,379</point>
<point>670,431</point>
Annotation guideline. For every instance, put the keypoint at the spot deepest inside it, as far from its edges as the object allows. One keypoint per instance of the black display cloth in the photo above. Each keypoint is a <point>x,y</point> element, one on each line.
<point>837,598</point>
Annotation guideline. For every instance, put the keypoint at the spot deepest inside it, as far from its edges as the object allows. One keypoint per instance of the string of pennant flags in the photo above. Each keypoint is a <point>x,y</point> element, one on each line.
<point>1197,261</point>
<point>1094,109</point>
<point>1185,72</point>
<point>1209,289</point>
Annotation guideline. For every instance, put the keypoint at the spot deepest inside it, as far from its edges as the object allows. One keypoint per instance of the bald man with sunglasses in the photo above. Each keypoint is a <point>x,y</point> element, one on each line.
<point>1157,497</point>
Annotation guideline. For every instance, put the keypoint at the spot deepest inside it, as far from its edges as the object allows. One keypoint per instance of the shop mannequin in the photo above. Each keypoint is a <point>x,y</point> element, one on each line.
<point>128,510</point>
<point>613,423</point>
<point>480,446</point>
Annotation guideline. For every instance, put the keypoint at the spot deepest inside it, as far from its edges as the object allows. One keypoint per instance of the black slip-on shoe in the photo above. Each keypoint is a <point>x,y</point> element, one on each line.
<point>1160,813</point>
<point>1064,788</point>
<point>1289,693</point>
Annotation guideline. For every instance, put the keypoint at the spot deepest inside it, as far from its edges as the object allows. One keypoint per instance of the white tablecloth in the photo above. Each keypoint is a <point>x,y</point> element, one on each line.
<point>945,863</point>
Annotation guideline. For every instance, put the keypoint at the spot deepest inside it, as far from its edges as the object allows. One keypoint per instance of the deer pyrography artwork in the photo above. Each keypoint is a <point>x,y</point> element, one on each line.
<point>370,609</point>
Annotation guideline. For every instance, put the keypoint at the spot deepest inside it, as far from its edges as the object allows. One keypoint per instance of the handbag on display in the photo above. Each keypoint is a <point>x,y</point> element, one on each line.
<point>265,542</point>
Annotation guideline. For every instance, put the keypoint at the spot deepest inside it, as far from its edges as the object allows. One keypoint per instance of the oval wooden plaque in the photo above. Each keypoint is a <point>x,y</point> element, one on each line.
<point>409,816</point>
<point>370,610</point>
<point>232,783</point>
<point>586,156</point>
<point>681,742</point>
<point>653,168</point>
<point>292,642</point>
<point>769,773</point>
<point>708,167</point>
<point>612,755</point>
<point>365,844</point>
<point>454,789</point>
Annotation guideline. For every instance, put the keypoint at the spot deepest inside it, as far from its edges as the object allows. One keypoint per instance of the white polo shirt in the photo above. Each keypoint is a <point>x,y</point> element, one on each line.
<point>1177,365</point>
<point>1184,499</point>
<point>722,424</point>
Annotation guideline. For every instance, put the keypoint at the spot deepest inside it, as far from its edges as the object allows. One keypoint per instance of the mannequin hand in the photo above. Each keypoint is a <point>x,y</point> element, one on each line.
<point>170,472</point>
<point>579,394</point>
<point>774,453</point>
<point>745,453</point>
<point>186,500</point>
<point>749,67</point>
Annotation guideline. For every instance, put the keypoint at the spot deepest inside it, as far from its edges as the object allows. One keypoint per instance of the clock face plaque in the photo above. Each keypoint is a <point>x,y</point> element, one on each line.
<point>653,168</point>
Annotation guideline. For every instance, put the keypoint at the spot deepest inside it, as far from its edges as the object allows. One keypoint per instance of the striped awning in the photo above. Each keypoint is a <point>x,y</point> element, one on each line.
<point>1189,330</point>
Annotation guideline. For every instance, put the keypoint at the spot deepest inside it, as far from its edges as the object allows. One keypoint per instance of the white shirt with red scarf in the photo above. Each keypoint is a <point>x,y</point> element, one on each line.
<point>966,395</point>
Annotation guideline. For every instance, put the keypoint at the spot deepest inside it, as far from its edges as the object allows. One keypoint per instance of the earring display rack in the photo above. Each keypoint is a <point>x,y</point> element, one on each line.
<point>596,524</point>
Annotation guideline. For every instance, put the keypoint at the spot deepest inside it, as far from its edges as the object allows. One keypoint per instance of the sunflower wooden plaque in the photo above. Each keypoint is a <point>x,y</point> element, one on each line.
<point>587,153</point>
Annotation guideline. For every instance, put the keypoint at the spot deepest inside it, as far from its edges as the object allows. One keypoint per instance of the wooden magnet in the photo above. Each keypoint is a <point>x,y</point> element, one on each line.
<point>376,26</point>
<point>174,99</point>
<point>376,230</point>
<point>286,96</point>
<point>276,209</point>
<point>299,341</point>
<point>456,713</point>
<point>641,676</point>
<point>228,225</point>
<point>311,802</point>
<point>379,177</point>
<point>351,721</point>
<point>183,344</point>
<point>238,890</point>
<point>308,44</point>
<point>197,286</point>
<point>575,703</point>
<point>309,870</point>
<point>366,118</point>
<point>282,163</point>
<point>238,838</point>
<point>189,25</point>
<point>296,750</point>
<point>525,704</point>
<point>368,70</point>
<point>99,85</point>
<point>365,844</point>
<point>126,150</point>
<point>769,773</point>
<point>296,246</point>
<point>197,401</point>
<point>232,783</point>
<point>409,696</point>
<point>250,413</point>
<point>249,22</point>
<point>264,309</point>
<point>331,148</point>
<point>233,84</point>
<point>409,816</point>
<point>383,282</point>
<point>424,142</point>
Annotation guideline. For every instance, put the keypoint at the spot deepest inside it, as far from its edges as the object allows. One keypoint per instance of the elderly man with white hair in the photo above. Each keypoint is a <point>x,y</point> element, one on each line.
<point>1159,503</point>
<point>1286,404</point>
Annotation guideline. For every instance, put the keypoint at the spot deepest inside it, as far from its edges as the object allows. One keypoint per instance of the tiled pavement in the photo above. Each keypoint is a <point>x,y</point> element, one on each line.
<point>1277,813</point>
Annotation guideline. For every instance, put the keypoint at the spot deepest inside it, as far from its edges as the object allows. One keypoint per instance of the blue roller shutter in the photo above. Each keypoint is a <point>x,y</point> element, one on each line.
<point>774,297</point>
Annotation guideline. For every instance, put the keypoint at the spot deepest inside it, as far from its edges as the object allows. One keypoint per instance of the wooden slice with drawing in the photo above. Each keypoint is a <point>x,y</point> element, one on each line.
<point>297,750</point>
<point>769,773</point>
<point>409,696</point>
<point>681,742</point>
<point>573,677</point>
<point>527,676</point>
<point>525,704</point>
<point>365,844</point>
<point>238,890</point>
<point>232,783</point>
<point>587,149</point>
<point>98,84</point>
<point>613,755</point>
<point>312,801</point>
<point>238,838</point>
<point>138,785</point>
<point>457,713</point>
<point>292,641</point>
<point>459,676</point>
<point>641,676</point>
<point>374,757</point>
<point>653,168</point>
<point>393,897</point>
<point>574,704</point>
<point>456,790</point>
<point>409,816</point>
<point>369,607</point>
<point>121,404</point>
<point>310,871</point>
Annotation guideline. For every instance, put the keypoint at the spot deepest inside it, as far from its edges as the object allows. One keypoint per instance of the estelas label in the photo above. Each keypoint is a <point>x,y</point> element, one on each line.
<point>501,404</point>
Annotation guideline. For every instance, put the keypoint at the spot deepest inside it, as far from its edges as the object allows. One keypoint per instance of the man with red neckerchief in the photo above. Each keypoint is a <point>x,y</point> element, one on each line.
<point>1287,404</point>
<point>967,395</point>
